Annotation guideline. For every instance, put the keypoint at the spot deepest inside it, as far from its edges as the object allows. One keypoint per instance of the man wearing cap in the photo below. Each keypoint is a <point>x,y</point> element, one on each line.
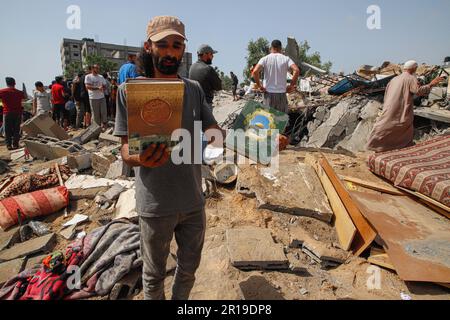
<point>128,70</point>
<point>12,113</point>
<point>202,72</point>
<point>169,197</point>
<point>394,129</point>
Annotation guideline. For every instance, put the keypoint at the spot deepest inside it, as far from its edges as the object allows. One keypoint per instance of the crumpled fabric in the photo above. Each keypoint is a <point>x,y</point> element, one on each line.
<point>26,182</point>
<point>104,257</point>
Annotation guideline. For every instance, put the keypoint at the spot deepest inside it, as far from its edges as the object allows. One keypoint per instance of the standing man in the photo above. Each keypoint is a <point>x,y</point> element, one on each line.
<point>41,100</point>
<point>169,197</point>
<point>395,127</point>
<point>59,103</point>
<point>96,86</point>
<point>85,98</point>
<point>12,113</point>
<point>234,85</point>
<point>202,72</point>
<point>276,66</point>
<point>79,103</point>
<point>128,70</point>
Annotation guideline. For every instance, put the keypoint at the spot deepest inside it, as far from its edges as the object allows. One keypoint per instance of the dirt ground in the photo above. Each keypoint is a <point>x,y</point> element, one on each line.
<point>217,279</point>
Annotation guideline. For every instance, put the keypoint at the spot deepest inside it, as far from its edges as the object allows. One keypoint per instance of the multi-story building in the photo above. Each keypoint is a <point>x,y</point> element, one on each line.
<point>77,50</point>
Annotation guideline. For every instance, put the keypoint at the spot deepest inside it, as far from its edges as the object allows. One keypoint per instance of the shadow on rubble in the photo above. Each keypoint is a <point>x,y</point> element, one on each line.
<point>258,288</point>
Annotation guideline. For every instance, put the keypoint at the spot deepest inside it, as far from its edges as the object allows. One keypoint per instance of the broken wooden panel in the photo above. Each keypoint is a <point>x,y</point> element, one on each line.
<point>380,258</point>
<point>365,233</point>
<point>293,189</point>
<point>345,228</point>
<point>416,240</point>
<point>253,248</point>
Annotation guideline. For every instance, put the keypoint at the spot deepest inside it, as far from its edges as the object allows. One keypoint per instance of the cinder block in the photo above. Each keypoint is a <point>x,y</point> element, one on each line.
<point>79,160</point>
<point>40,147</point>
<point>43,124</point>
<point>64,148</point>
<point>90,133</point>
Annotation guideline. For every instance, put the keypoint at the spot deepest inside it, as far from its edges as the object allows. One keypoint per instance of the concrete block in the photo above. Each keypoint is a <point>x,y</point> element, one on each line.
<point>41,244</point>
<point>101,162</point>
<point>10,269</point>
<point>79,160</point>
<point>253,248</point>
<point>109,138</point>
<point>90,133</point>
<point>64,148</point>
<point>43,124</point>
<point>40,147</point>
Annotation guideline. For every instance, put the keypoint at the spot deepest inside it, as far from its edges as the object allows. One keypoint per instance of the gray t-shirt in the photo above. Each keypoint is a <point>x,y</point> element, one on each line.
<point>43,104</point>
<point>170,189</point>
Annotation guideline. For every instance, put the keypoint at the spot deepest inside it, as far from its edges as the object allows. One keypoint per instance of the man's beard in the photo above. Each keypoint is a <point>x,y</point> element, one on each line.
<point>167,69</point>
<point>208,62</point>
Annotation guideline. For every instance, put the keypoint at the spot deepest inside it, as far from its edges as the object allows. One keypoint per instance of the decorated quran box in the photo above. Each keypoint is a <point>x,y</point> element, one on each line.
<point>155,108</point>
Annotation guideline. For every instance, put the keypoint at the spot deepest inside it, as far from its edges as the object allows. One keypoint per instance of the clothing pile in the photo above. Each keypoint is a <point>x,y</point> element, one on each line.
<point>100,260</point>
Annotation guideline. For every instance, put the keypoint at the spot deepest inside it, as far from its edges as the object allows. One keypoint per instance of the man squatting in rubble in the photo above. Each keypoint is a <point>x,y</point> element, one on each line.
<point>169,197</point>
<point>395,127</point>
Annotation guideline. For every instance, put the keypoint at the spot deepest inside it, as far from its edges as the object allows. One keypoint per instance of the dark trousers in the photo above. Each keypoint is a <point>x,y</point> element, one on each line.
<point>11,122</point>
<point>59,114</point>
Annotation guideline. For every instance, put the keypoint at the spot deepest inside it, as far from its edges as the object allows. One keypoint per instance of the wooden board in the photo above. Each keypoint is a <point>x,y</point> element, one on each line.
<point>372,185</point>
<point>417,241</point>
<point>380,258</point>
<point>345,228</point>
<point>365,233</point>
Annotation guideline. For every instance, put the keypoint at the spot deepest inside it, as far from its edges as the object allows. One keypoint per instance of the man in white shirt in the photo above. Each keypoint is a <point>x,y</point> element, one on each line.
<point>96,86</point>
<point>276,66</point>
<point>41,100</point>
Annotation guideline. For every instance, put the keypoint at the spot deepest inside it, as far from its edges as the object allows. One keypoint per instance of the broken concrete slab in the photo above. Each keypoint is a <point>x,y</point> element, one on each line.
<point>69,232</point>
<point>9,238</point>
<point>79,161</point>
<point>295,265</point>
<point>10,269</point>
<point>43,124</point>
<point>108,137</point>
<point>253,248</point>
<point>293,189</point>
<point>41,244</point>
<point>89,134</point>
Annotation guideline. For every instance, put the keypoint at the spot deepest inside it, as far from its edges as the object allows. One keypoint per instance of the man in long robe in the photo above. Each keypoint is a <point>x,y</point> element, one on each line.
<point>394,128</point>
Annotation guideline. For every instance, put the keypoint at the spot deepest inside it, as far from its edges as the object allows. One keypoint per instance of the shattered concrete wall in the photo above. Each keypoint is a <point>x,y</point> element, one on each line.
<point>346,125</point>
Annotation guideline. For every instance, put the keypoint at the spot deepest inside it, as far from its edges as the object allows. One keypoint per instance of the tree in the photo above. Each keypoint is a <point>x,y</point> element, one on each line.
<point>72,69</point>
<point>313,58</point>
<point>255,50</point>
<point>226,80</point>
<point>105,64</point>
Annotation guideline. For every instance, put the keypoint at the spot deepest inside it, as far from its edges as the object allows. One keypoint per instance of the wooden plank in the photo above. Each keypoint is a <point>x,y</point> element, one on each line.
<point>345,228</point>
<point>445,211</point>
<point>416,240</point>
<point>365,233</point>
<point>372,185</point>
<point>380,258</point>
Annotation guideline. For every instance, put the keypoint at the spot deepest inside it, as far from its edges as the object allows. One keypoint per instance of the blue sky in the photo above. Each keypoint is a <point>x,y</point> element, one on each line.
<point>31,31</point>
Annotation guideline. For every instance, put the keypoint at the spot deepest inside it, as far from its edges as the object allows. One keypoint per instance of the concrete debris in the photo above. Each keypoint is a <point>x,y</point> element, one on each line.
<point>44,125</point>
<point>253,248</point>
<point>9,238</point>
<point>41,244</point>
<point>88,182</point>
<point>118,169</point>
<point>101,162</point>
<point>89,134</point>
<point>76,220</point>
<point>279,191</point>
<point>109,138</point>
<point>79,161</point>
<point>48,148</point>
<point>10,269</point>
<point>69,232</point>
